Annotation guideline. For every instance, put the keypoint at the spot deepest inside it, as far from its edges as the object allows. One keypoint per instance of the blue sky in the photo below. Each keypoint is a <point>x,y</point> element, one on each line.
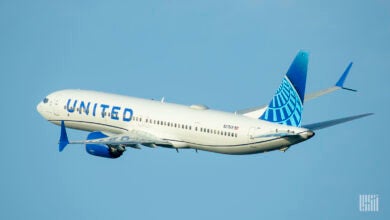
<point>226,54</point>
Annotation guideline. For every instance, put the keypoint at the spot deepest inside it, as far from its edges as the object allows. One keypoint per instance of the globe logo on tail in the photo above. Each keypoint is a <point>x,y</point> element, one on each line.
<point>285,107</point>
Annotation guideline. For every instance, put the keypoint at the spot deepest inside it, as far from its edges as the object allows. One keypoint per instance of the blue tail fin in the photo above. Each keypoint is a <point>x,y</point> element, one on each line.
<point>287,104</point>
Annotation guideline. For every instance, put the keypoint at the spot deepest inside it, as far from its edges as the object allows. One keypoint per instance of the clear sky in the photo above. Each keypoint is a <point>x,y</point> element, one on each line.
<point>226,54</point>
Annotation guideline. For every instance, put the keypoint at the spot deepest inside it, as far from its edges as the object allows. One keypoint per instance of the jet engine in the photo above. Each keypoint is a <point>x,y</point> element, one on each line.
<point>103,150</point>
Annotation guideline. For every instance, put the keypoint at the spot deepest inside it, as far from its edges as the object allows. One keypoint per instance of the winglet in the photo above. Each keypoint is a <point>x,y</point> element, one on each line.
<point>340,82</point>
<point>63,138</point>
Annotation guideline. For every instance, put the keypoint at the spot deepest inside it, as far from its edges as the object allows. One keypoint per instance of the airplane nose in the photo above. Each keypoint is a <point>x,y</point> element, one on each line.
<point>39,108</point>
<point>44,108</point>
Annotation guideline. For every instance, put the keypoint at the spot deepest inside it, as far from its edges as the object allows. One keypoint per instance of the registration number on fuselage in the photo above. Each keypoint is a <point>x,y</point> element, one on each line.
<point>233,127</point>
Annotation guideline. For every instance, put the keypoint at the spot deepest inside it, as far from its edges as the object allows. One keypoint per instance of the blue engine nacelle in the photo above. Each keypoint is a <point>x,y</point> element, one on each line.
<point>102,150</point>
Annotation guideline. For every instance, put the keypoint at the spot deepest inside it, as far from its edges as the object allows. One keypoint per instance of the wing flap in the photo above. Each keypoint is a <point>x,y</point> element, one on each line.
<point>130,139</point>
<point>122,139</point>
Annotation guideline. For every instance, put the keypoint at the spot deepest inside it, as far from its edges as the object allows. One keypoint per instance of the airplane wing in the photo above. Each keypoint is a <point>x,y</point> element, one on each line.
<point>325,124</point>
<point>339,85</point>
<point>259,110</point>
<point>128,139</point>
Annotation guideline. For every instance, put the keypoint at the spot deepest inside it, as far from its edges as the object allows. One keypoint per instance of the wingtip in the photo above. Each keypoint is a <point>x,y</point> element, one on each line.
<point>63,138</point>
<point>340,82</point>
<point>367,114</point>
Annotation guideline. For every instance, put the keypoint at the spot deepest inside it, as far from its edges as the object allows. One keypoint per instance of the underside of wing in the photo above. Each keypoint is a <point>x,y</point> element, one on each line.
<point>130,139</point>
<point>325,124</point>
<point>126,139</point>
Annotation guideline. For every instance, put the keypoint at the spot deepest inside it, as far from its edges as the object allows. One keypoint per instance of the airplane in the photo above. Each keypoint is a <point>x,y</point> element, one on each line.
<point>117,122</point>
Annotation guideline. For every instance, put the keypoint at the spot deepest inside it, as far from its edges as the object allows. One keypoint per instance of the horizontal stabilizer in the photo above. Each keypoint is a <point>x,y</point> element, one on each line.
<point>325,124</point>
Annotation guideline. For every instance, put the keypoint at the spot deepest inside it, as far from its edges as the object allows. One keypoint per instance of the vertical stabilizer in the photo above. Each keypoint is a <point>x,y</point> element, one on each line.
<point>287,104</point>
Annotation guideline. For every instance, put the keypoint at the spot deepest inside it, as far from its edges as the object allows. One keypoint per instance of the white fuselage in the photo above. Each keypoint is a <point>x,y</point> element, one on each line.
<point>182,126</point>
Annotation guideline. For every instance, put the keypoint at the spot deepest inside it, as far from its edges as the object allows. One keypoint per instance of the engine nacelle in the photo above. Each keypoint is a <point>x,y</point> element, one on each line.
<point>102,150</point>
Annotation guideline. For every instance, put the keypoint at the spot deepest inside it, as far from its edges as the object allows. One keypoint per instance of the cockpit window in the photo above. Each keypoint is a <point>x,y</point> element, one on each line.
<point>45,100</point>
